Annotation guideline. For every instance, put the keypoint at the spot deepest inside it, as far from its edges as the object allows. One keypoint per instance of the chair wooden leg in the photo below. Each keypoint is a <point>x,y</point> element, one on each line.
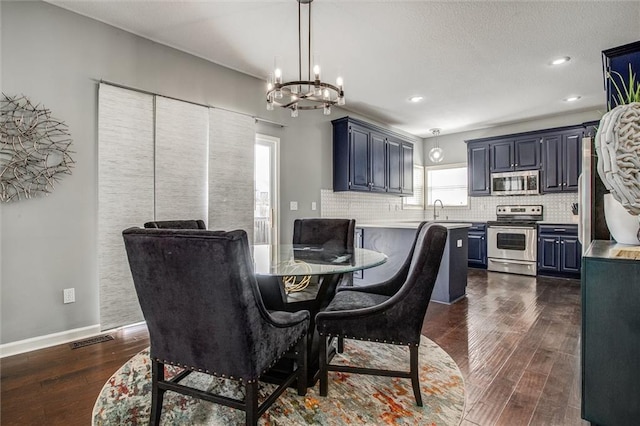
<point>340,344</point>
<point>324,373</point>
<point>251,401</point>
<point>302,366</point>
<point>157,374</point>
<point>415,381</point>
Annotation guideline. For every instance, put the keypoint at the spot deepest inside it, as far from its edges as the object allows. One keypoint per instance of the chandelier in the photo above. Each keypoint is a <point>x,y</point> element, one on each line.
<point>436,154</point>
<point>304,94</point>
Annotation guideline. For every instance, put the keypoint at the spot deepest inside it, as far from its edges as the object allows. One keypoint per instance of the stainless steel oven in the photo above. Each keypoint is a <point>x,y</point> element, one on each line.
<point>512,239</point>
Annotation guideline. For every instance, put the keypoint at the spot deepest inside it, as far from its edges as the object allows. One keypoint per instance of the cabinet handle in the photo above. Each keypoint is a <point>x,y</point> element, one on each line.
<point>516,164</point>
<point>557,242</point>
<point>561,242</point>
<point>559,229</point>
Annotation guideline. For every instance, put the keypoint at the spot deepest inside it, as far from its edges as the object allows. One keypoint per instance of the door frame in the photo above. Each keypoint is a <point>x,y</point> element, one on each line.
<point>274,142</point>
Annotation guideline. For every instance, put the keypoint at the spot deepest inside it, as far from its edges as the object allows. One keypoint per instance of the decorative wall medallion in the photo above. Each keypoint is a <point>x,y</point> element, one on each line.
<point>34,149</point>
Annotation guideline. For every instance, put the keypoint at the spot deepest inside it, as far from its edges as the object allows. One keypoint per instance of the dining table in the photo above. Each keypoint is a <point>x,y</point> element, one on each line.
<point>314,273</point>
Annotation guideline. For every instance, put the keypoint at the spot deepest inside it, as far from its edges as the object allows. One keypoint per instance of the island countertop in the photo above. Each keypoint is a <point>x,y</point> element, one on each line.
<point>411,225</point>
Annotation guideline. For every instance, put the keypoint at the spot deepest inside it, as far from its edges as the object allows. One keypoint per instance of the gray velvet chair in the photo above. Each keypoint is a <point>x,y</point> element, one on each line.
<point>199,297</point>
<point>176,224</point>
<point>384,313</point>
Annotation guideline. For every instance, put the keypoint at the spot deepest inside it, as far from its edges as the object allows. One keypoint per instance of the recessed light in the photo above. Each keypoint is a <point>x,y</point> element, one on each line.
<point>559,61</point>
<point>416,98</point>
<point>572,98</point>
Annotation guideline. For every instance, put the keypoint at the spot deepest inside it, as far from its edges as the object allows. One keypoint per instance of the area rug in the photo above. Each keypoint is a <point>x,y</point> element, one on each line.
<point>353,399</point>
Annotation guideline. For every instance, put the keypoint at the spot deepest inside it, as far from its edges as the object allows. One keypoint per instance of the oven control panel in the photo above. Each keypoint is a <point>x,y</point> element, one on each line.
<point>518,210</point>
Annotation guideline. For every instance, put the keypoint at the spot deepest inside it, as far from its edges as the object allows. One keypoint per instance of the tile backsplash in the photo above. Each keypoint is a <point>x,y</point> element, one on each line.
<point>365,207</point>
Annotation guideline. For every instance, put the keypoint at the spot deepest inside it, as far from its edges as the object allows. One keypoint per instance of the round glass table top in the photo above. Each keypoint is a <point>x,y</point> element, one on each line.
<point>298,260</point>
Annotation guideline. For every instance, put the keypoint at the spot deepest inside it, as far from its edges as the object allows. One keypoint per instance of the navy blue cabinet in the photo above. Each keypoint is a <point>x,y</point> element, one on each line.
<point>617,60</point>
<point>407,168</point>
<point>478,169</point>
<point>477,257</point>
<point>371,159</point>
<point>610,337</point>
<point>562,161</point>
<point>515,154</point>
<point>559,251</point>
<point>394,173</point>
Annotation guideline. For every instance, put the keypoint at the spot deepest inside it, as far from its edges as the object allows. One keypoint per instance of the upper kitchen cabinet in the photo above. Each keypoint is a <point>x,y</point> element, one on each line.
<point>557,153</point>
<point>478,169</point>
<point>519,154</point>
<point>617,60</point>
<point>562,160</point>
<point>371,159</point>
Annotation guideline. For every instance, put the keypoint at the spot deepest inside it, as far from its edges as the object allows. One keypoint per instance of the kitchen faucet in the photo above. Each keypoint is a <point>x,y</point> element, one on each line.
<point>435,215</point>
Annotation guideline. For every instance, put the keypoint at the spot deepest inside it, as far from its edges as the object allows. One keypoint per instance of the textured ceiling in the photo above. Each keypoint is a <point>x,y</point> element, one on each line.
<point>476,63</point>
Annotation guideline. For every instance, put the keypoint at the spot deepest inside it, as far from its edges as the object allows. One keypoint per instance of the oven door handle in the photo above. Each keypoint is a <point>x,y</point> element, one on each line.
<point>511,227</point>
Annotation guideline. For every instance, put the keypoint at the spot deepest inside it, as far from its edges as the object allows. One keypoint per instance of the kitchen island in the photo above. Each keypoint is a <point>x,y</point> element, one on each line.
<point>395,239</point>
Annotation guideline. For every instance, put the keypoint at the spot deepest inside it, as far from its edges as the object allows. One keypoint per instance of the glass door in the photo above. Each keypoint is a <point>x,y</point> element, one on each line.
<point>266,190</point>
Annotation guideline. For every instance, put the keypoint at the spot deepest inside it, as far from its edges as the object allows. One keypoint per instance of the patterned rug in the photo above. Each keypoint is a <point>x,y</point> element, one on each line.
<point>353,399</point>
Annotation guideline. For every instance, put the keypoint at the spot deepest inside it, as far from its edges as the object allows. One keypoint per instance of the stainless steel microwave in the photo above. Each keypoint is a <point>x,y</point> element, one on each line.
<point>525,182</point>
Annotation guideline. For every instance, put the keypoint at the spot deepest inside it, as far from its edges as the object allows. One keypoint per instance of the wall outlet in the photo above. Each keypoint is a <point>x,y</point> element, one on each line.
<point>459,243</point>
<point>314,206</point>
<point>69,295</point>
<point>293,205</point>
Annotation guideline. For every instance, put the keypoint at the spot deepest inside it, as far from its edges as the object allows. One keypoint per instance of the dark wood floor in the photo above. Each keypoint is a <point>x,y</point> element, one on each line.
<point>516,340</point>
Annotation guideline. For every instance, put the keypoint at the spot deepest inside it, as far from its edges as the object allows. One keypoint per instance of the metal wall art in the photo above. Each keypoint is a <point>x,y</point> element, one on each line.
<point>34,149</point>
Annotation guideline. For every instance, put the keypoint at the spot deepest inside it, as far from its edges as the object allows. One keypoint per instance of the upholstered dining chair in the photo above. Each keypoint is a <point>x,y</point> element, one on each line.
<point>200,300</point>
<point>330,234</point>
<point>176,224</point>
<point>385,314</point>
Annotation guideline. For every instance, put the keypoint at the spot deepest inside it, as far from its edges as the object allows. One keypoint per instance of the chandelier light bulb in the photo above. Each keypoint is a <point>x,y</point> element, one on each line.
<point>316,72</point>
<point>294,110</point>
<point>327,109</point>
<point>341,101</point>
<point>278,74</point>
<point>339,83</point>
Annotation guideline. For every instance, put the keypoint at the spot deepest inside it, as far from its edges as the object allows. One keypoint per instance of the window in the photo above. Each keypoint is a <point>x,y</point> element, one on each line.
<point>417,200</point>
<point>447,183</point>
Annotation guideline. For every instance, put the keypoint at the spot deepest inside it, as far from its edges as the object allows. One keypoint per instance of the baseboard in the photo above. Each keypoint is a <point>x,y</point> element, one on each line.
<point>41,342</point>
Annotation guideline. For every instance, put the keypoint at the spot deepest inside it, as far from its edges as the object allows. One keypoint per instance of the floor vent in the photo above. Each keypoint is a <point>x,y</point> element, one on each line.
<point>91,341</point>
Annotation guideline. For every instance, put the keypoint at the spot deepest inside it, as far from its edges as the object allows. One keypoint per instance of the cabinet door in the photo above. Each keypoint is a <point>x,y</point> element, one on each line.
<point>378,165</point>
<point>394,172</point>
<point>477,250</point>
<point>570,254</point>
<point>526,153</point>
<point>572,160</point>
<point>359,159</point>
<point>502,156</point>
<point>407,168</point>
<point>478,169</point>
<point>548,258</point>
<point>552,153</point>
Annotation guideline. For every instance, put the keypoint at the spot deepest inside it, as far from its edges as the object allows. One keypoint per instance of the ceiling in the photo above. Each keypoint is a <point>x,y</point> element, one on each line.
<point>476,63</point>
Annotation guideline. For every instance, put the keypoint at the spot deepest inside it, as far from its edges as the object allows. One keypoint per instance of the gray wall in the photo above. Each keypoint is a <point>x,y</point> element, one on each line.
<point>56,57</point>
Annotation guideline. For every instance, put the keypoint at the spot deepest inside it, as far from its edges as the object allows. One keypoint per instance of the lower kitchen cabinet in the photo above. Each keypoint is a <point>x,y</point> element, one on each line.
<point>559,251</point>
<point>478,246</point>
<point>610,353</point>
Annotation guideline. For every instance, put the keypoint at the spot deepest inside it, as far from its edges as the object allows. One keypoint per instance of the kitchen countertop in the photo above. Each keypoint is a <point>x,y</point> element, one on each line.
<point>412,225</point>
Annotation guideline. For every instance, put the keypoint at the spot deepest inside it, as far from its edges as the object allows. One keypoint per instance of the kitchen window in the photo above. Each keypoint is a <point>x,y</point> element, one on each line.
<point>417,200</point>
<point>447,183</point>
